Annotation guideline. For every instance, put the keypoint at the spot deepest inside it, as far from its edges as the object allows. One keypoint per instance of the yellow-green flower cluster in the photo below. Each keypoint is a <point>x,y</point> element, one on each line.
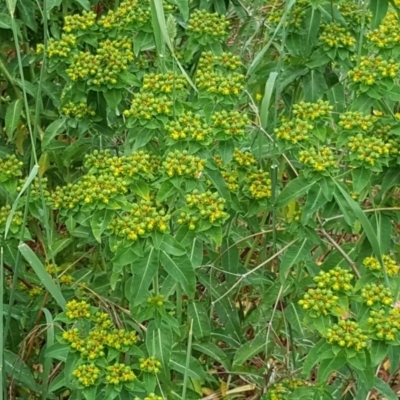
<point>391,267</point>
<point>179,163</point>
<point>312,111</point>
<point>33,291</point>
<point>225,62</point>
<point>385,325</point>
<point>387,34</point>
<point>385,132</point>
<point>353,14</point>
<point>16,220</point>
<point>156,300</point>
<point>319,160</point>
<point>54,271</point>
<point>102,320</point>
<point>138,163</point>
<point>91,189</point>
<point>347,334</point>
<point>214,75</point>
<point>209,27</point>
<point>150,396</point>
<point>36,193</point>
<point>244,158</point>
<point>356,120</point>
<point>230,123</point>
<point>141,220</point>
<point>319,301</point>
<point>87,374</point>
<point>119,373</point>
<point>104,67</point>
<point>77,110</point>
<point>296,16</point>
<point>373,293</point>
<point>335,279</point>
<point>368,150</point>
<point>79,22</point>
<point>151,365</point>
<point>146,105</point>
<point>207,206</point>
<point>59,48</point>
<point>119,338</point>
<point>282,390</point>
<point>189,125</point>
<point>260,185</point>
<point>374,69</point>
<point>10,167</point>
<point>77,309</point>
<point>129,12</point>
<point>164,83</point>
<point>231,179</point>
<point>294,131</point>
<point>335,35</point>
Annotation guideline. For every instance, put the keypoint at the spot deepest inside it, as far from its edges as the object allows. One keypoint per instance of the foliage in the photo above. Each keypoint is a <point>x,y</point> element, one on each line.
<point>199,199</point>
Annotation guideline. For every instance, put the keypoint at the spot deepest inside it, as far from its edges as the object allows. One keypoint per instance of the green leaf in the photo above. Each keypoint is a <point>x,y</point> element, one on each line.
<point>314,356</point>
<point>27,10</point>
<point>327,366</point>
<point>13,115</point>
<point>113,98</point>
<point>383,388</point>
<point>298,252</point>
<point>171,246</point>
<point>345,208</point>
<point>315,200</point>
<point>390,179</point>
<point>58,351</point>
<point>143,270</point>
<point>15,367</point>
<point>293,190</point>
<point>5,21</point>
<point>379,9</point>
<point>195,370</point>
<point>213,351</point>
<point>55,128</point>
<point>314,85</point>
<point>369,231</point>
<point>59,245</point>
<point>249,350</point>
<point>201,322</point>
<point>359,361</point>
<point>379,350</point>
<point>159,343</point>
<point>99,222</point>
<point>141,189</point>
<point>183,6</point>
<point>218,181</point>
<point>44,277</point>
<point>181,270</point>
<point>313,26</point>
<point>166,190</point>
<point>50,4</point>
<point>361,178</point>
<point>264,108</point>
<point>196,253</point>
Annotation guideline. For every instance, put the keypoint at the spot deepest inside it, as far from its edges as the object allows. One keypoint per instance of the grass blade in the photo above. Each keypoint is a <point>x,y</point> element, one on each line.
<point>42,274</point>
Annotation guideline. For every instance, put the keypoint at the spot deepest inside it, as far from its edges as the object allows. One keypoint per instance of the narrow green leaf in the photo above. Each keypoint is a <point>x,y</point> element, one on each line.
<point>20,372</point>
<point>195,370</point>
<point>55,128</point>
<point>379,9</point>
<point>218,181</point>
<point>201,322</point>
<point>13,115</point>
<point>361,178</point>
<point>181,270</point>
<point>143,270</point>
<point>300,251</point>
<point>99,222</point>
<point>384,388</point>
<point>183,6</point>
<point>171,246</point>
<point>249,350</point>
<point>213,351</point>
<point>379,351</point>
<point>59,245</point>
<point>314,85</point>
<point>313,356</point>
<point>293,190</point>
<point>327,366</point>
<point>264,108</point>
<point>44,277</point>
<point>315,200</point>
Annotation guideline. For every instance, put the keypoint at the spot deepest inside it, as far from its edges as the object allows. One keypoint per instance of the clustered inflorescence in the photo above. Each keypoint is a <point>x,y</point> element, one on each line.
<point>390,265</point>
<point>319,160</point>
<point>376,294</point>
<point>335,35</point>
<point>337,279</point>
<point>181,163</point>
<point>96,344</point>
<point>207,27</point>
<point>347,333</point>
<point>319,301</point>
<point>189,126</point>
<point>386,35</point>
